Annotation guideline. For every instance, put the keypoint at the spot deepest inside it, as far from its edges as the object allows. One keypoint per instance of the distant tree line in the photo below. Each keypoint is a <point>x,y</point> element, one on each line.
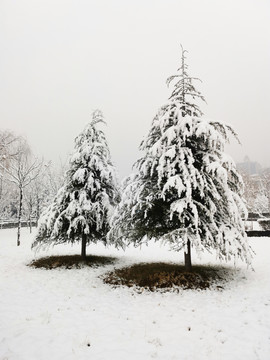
<point>257,191</point>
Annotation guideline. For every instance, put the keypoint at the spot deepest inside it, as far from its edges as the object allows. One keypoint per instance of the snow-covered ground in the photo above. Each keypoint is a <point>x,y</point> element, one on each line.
<point>57,314</point>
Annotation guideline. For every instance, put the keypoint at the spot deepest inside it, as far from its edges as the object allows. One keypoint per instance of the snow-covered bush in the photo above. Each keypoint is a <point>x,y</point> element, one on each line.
<point>185,191</point>
<point>83,206</point>
<point>265,224</point>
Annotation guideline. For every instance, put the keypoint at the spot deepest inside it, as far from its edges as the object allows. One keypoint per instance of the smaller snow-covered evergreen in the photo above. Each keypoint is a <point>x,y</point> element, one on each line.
<point>83,206</point>
<point>186,191</point>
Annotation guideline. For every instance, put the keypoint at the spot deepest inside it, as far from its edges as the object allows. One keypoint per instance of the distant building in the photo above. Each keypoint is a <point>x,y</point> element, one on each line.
<point>249,167</point>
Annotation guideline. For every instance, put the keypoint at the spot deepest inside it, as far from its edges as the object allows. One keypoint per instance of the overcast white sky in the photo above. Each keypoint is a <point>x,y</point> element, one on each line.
<point>61,59</point>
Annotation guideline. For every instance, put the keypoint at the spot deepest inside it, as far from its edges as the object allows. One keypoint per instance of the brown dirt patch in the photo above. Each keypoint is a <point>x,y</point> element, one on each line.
<point>152,276</point>
<point>71,261</point>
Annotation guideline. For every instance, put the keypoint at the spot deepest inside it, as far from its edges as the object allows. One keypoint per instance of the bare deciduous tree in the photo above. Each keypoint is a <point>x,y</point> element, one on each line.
<point>21,170</point>
<point>8,151</point>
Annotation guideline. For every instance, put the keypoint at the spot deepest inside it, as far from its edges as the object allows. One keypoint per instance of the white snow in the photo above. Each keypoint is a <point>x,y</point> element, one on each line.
<point>55,314</point>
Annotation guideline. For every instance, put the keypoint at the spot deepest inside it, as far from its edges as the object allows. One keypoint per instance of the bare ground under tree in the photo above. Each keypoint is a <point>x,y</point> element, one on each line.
<point>146,276</point>
<point>152,276</point>
<point>72,261</point>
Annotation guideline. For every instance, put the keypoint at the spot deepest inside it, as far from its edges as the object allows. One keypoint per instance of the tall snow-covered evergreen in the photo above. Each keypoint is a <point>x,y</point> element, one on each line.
<point>185,191</point>
<point>83,206</point>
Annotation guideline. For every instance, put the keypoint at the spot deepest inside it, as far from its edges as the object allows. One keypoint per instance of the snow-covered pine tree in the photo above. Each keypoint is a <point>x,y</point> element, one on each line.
<point>185,191</point>
<point>83,206</point>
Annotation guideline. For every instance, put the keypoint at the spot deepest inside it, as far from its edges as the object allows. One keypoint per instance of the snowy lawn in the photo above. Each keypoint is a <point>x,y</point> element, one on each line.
<point>71,314</point>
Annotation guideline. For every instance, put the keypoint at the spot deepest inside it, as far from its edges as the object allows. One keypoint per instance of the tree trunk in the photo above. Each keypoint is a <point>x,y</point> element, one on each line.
<point>30,225</point>
<point>38,209</point>
<point>188,265</point>
<point>1,186</point>
<point>83,253</point>
<point>20,217</point>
